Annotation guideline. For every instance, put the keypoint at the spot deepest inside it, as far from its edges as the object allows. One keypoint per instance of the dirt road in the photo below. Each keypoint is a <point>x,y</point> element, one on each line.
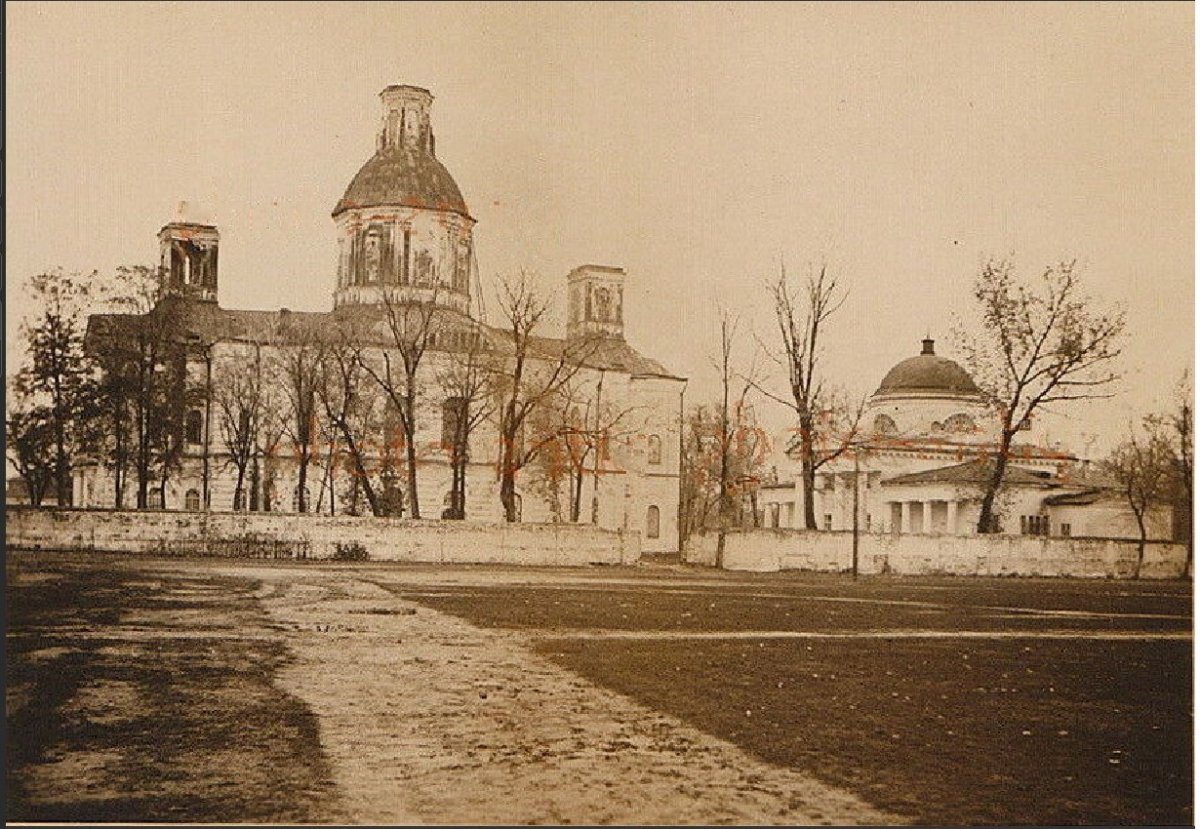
<point>426,718</point>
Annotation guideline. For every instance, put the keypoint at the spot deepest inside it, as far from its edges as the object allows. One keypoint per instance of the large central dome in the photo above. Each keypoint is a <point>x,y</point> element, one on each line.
<point>404,232</point>
<point>404,172</point>
<point>403,176</point>
<point>928,374</point>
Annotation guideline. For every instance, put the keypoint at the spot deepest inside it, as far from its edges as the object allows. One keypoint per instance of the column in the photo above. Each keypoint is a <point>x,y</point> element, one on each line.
<point>905,517</point>
<point>952,517</point>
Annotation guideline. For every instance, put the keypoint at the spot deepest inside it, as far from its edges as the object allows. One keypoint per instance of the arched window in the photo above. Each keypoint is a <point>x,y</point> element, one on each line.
<point>193,428</point>
<point>191,500</point>
<point>654,450</point>
<point>652,522</point>
<point>884,425</point>
<point>960,423</point>
<point>154,499</point>
<point>517,503</point>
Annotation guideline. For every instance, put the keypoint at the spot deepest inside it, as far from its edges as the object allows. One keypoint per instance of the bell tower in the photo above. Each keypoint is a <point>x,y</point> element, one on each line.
<point>188,257</point>
<point>596,296</point>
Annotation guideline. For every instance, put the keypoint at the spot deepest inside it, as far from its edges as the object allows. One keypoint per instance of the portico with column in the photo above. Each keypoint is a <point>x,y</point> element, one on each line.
<point>932,515</point>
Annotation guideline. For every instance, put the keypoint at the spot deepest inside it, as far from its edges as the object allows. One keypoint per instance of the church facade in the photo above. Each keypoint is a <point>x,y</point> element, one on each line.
<point>404,240</point>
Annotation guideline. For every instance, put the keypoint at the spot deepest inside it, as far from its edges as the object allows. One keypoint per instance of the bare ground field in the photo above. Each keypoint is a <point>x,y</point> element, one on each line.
<point>206,690</point>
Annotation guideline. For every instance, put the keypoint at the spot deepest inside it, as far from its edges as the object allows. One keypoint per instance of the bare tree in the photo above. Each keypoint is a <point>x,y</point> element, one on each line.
<point>466,380</point>
<point>1142,467</point>
<point>239,402</point>
<point>297,371</point>
<point>729,326</point>
<point>1181,422</point>
<point>1178,426</point>
<point>145,395</point>
<point>120,436</point>
<point>699,472</point>
<point>530,371</point>
<point>826,423</point>
<point>273,420</point>
<point>589,423</point>
<point>59,377</point>
<point>349,405</point>
<point>413,327</point>
<point>30,442</point>
<point>1037,343</point>
<point>745,452</point>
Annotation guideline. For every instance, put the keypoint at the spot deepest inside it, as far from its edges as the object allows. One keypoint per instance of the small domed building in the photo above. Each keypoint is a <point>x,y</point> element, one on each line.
<point>404,240</point>
<point>924,455</point>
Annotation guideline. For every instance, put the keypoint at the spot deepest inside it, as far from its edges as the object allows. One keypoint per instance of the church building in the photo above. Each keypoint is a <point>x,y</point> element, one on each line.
<point>924,452</point>
<point>404,239</point>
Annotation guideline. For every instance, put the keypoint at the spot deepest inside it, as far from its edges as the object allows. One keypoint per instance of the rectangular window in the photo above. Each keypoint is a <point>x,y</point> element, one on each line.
<point>1024,525</point>
<point>828,521</point>
<point>1064,530</point>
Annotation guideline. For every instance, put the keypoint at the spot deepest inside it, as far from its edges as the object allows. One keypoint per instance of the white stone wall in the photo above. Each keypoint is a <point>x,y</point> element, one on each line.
<point>309,536</point>
<point>772,550</point>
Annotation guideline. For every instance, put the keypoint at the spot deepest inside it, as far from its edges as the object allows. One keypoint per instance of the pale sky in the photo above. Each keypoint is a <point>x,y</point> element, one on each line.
<point>695,145</point>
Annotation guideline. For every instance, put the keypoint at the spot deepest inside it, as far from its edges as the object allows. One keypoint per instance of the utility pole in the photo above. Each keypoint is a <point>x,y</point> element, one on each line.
<point>854,547</point>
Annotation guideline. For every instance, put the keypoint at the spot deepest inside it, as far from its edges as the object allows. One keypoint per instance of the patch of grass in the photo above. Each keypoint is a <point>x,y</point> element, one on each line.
<point>882,604</point>
<point>1048,732</point>
<point>947,731</point>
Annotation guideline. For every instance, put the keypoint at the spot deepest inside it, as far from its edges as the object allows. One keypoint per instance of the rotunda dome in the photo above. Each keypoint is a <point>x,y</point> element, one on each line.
<point>403,176</point>
<point>928,374</point>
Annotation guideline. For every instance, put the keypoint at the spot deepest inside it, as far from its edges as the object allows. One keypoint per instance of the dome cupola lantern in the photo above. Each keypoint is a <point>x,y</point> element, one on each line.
<point>406,119</point>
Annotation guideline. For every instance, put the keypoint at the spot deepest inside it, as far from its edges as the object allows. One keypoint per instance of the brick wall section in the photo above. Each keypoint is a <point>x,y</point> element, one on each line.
<point>311,536</point>
<point>766,550</point>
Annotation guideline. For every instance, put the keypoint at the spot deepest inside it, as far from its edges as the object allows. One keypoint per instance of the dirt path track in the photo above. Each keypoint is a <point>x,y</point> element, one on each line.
<point>427,719</point>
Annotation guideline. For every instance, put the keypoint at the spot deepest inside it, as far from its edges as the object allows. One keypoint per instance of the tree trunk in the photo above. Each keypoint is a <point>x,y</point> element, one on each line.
<point>255,492</point>
<point>994,482</point>
<point>508,478</point>
<point>241,481</point>
<point>410,447</point>
<point>576,492</point>
<point>35,490</point>
<point>508,493</point>
<point>1141,549</point>
<point>360,469</point>
<point>808,483</point>
<point>414,503</point>
<point>302,483</point>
